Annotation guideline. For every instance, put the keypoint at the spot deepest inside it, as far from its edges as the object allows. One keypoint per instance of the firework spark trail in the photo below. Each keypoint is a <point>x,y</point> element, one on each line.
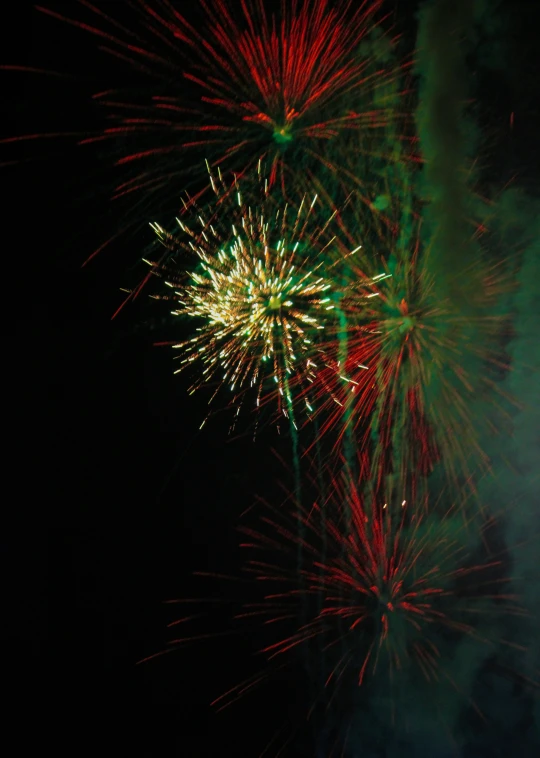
<point>343,353</point>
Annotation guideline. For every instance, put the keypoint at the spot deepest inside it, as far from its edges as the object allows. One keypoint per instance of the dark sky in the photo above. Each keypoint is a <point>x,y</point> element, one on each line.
<point>113,497</point>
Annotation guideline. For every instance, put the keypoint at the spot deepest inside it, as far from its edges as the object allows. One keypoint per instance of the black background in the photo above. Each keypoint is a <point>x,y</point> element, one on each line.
<point>112,495</point>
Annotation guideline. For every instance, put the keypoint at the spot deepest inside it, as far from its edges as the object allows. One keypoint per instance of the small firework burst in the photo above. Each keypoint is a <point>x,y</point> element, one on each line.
<point>264,286</point>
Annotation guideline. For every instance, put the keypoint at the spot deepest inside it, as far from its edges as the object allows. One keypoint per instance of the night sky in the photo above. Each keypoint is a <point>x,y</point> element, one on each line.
<point>113,497</point>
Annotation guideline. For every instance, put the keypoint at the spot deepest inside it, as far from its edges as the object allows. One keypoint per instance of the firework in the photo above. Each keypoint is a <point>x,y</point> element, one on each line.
<point>264,286</point>
<point>283,87</point>
<point>413,365</point>
<point>384,584</point>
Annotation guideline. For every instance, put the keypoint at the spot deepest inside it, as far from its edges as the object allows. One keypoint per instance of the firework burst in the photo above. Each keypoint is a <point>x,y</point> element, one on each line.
<point>282,87</point>
<point>385,594</point>
<point>414,363</point>
<point>264,286</point>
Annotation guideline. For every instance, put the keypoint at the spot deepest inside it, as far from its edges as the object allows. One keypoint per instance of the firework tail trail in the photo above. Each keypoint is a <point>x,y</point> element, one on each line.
<point>348,435</point>
<point>296,465</point>
<point>297,499</point>
<point>295,446</point>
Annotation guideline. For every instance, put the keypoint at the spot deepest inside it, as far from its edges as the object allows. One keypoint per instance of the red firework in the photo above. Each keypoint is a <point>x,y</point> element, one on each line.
<point>382,588</point>
<point>283,88</point>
